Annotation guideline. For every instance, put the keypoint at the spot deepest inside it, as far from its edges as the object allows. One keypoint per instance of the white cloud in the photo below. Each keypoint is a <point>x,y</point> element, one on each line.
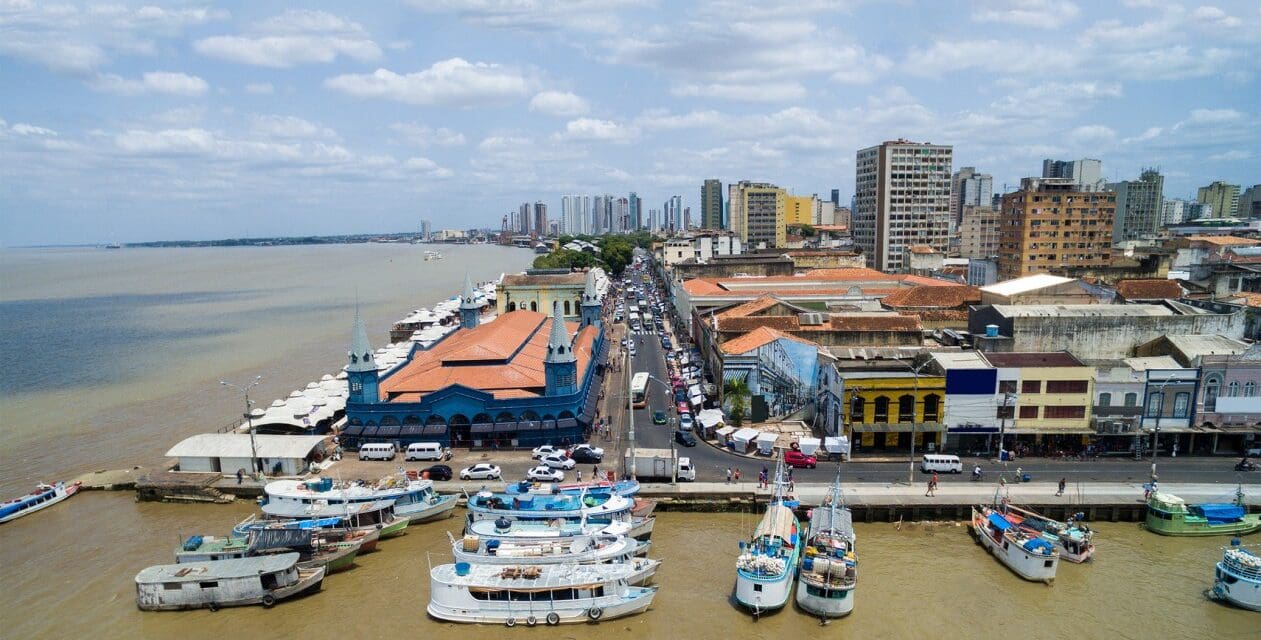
<point>1039,14</point>
<point>594,16</point>
<point>23,129</point>
<point>1211,116</point>
<point>998,56</point>
<point>427,167</point>
<point>448,82</point>
<point>277,126</point>
<point>1214,17</point>
<point>292,38</point>
<point>1151,133</point>
<point>174,83</point>
<point>1233,155</point>
<point>166,141</point>
<point>260,88</point>
<point>1093,133</point>
<point>663,119</point>
<point>422,135</point>
<point>559,103</point>
<point>595,130</point>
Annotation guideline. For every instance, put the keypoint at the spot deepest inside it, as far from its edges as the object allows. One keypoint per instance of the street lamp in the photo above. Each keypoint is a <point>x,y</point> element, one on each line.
<point>249,419</point>
<point>914,405</point>
<point>1160,409</point>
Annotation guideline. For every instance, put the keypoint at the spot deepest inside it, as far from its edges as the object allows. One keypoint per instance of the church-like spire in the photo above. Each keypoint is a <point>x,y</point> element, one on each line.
<point>360,357</point>
<point>590,295</point>
<point>469,309</point>
<point>559,346</point>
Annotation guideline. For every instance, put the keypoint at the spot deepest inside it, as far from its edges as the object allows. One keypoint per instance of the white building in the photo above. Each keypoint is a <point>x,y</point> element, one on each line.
<point>227,452</point>
<point>902,192</point>
<point>702,247</point>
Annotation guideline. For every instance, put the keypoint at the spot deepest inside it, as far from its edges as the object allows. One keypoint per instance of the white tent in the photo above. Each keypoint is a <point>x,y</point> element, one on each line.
<point>744,438</point>
<point>724,434</point>
<point>766,442</point>
<point>809,445</point>
<point>836,445</point>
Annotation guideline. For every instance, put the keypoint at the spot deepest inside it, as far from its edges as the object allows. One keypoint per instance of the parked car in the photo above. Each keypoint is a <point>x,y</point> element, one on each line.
<point>544,451</point>
<point>545,474</point>
<point>438,472</point>
<point>480,471</point>
<point>685,438</point>
<point>589,448</point>
<point>586,456</point>
<point>798,459</point>
<point>685,421</point>
<point>558,461</point>
<point>659,417</point>
<point>665,342</point>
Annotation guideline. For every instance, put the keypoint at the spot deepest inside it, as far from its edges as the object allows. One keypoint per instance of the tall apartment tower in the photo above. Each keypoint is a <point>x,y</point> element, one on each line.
<point>902,193</point>
<point>1052,225</point>
<point>978,232</point>
<point>1224,198</point>
<point>1140,205</point>
<point>836,197</point>
<point>523,219</point>
<point>1087,172</point>
<point>635,217</point>
<point>540,218</point>
<point>757,213</point>
<point>711,204</point>
<point>969,189</point>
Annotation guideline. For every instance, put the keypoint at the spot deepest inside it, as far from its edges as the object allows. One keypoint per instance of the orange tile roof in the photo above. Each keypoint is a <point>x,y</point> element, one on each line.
<point>875,323</point>
<point>882,322</point>
<point>824,281</point>
<point>504,358</point>
<point>758,337</point>
<point>762,303</point>
<point>923,249</point>
<point>1248,299</point>
<point>1150,289</point>
<point>538,280</point>
<point>1222,241</point>
<point>926,296</point>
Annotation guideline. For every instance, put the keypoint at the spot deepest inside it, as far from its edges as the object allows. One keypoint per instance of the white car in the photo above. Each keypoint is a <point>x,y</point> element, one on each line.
<point>544,451</point>
<point>558,461</point>
<point>545,474</point>
<point>595,451</point>
<point>685,421</point>
<point>480,471</point>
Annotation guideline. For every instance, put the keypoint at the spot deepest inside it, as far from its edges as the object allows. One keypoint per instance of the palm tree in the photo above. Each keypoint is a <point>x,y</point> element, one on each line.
<point>737,394</point>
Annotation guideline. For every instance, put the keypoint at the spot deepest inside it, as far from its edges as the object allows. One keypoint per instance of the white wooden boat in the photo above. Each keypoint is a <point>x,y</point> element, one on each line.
<point>1028,555</point>
<point>414,500</point>
<point>829,567</point>
<point>765,566</point>
<point>556,530</point>
<point>1238,577</point>
<point>1074,539</point>
<point>261,580</point>
<point>590,509</point>
<point>44,496</point>
<point>593,549</point>
<point>537,594</point>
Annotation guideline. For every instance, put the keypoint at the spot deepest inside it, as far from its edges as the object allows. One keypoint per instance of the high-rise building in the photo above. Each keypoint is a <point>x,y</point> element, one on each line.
<point>1140,204</point>
<point>711,204</point>
<point>799,209</point>
<point>978,232</point>
<point>523,219</point>
<point>621,215</point>
<point>1173,211</point>
<point>687,218</point>
<point>654,220</point>
<point>902,190</point>
<point>425,229</point>
<point>636,214</point>
<point>1052,224</point>
<point>757,213</point>
<point>836,197</point>
<point>1224,198</point>
<point>1087,172</point>
<point>540,219</point>
<point>969,189</point>
<point>1250,202</point>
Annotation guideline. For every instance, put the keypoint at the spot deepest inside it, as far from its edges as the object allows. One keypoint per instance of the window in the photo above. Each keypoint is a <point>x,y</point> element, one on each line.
<point>856,409</point>
<point>1031,386</point>
<point>1131,399</point>
<point>1105,399</point>
<point>1006,412</point>
<point>1181,403</point>
<point>1155,402</point>
<point>1065,413</point>
<point>1029,412</point>
<point>356,385</point>
<point>906,408</point>
<point>1211,388</point>
<point>1232,389</point>
<point>882,409</point>
<point>1067,386</point>
<point>208,585</point>
<point>171,586</point>
<point>1249,389</point>
<point>1006,386</point>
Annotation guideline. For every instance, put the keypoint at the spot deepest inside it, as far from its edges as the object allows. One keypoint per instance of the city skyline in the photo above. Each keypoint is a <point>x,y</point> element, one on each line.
<point>212,120</point>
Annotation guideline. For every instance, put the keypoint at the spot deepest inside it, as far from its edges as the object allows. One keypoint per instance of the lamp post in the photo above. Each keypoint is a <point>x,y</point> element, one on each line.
<point>914,405</point>
<point>249,419</point>
<point>1160,409</point>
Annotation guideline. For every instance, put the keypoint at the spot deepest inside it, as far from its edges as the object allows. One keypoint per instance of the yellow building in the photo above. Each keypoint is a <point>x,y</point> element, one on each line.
<point>799,209</point>
<point>884,407</point>
<point>1048,394</point>
<point>537,289</point>
<point>757,214</point>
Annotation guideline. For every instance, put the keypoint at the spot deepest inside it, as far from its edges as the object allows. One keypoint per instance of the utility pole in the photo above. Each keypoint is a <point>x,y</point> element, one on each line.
<point>630,401</point>
<point>1002,424</point>
<point>249,419</point>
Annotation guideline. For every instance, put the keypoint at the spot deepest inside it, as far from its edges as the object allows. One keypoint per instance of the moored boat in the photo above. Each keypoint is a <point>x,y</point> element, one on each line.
<point>1170,515</point>
<point>549,594</point>
<point>593,549</point>
<point>829,566</point>
<point>591,509</point>
<point>212,584</point>
<point>378,515</point>
<point>541,530</point>
<point>765,566</point>
<point>333,550</point>
<point>44,496</point>
<point>1238,577</point>
<point>414,500</point>
<point>1074,538</point>
<point>1028,555</point>
<point>624,488</point>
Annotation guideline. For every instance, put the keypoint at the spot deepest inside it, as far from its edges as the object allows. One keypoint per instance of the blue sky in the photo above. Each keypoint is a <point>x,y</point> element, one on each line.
<point>129,122</point>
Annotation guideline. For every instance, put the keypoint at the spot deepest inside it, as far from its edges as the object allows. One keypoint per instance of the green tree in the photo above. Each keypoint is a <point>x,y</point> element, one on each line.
<point>737,394</point>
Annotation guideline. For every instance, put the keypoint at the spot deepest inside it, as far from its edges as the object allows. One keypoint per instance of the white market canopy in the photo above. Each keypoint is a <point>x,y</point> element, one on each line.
<point>809,445</point>
<point>745,435</point>
<point>711,417</point>
<point>237,445</point>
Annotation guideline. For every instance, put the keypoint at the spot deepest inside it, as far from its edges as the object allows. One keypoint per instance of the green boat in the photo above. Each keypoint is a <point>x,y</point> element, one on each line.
<point>314,547</point>
<point>397,527</point>
<point>1170,515</point>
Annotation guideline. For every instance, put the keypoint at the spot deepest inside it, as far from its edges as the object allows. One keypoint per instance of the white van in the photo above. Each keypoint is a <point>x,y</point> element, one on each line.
<point>941,464</point>
<point>377,451</point>
<point>424,451</point>
<point>687,473</point>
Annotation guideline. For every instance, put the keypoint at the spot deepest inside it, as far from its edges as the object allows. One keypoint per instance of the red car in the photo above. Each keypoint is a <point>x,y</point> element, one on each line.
<point>799,460</point>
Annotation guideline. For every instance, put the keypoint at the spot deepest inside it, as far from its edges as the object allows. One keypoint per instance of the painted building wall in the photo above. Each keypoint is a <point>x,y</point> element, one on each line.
<point>1046,421</point>
<point>971,400</point>
<point>540,298</point>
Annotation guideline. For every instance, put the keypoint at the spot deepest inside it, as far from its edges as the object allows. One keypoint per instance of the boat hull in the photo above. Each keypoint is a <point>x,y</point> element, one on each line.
<point>309,583</point>
<point>443,508</point>
<point>1030,566</point>
<point>762,595</point>
<point>58,496</point>
<point>394,529</point>
<point>823,602</point>
<point>609,607</point>
<point>1249,524</point>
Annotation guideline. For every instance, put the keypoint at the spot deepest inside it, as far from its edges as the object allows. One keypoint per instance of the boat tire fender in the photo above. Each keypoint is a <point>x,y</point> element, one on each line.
<point>594,613</point>
<point>213,606</point>
<point>530,621</point>
<point>553,618</point>
<point>269,600</point>
<point>511,622</point>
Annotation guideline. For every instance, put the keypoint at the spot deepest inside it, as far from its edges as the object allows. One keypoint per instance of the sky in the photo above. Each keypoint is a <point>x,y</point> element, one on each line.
<point>124,122</point>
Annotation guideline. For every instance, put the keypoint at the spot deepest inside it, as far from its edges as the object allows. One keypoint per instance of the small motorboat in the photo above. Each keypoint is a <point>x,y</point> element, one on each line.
<point>44,496</point>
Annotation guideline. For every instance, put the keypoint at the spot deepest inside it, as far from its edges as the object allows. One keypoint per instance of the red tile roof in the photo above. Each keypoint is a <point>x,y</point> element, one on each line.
<point>931,297</point>
<point>762,303</point>
<point>813,282</point>
<point>1248,299</point>
<point>923,249</point>
<point>1152,289</point>
<point>1223,241</point>
<point>503,357</point>
<point>758,337</point>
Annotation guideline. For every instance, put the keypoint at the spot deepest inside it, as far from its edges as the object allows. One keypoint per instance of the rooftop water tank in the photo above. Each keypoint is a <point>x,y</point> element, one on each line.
<point>991,331</point>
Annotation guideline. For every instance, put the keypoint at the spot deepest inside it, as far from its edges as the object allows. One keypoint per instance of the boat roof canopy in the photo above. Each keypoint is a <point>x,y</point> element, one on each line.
<point>234,568</point>
<point>778,522</point>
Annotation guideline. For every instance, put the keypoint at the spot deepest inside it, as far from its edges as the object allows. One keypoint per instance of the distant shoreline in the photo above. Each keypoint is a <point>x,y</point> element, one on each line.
<point>382,238</point>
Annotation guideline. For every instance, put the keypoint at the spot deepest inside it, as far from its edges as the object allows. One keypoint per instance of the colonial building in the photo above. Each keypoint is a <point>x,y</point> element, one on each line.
<point>886,409</point>
<point>522,379</point>
<point>537,289</point>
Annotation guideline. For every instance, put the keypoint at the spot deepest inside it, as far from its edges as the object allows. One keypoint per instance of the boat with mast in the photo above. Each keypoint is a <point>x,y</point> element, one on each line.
<point>1028,555</point>
<point>414,500</point>
<point>765,566</point>
<point>590,509</point>
<point>1238,577</point>
<point>1074,538</point>
<point>829,566</point>
<point>1170,515</point>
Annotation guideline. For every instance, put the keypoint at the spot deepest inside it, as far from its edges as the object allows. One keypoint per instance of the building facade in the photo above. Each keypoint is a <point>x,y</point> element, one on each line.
<point>1224,198</point>
<point>799,209</point>
<point>711,204</point>
<point>902,192</point>
<point>1053,395</point>
<point>884,409</point>
<point>1049,224</point>
<point>757,214</point>
<point>1139,207</point>
<point>539,289</point>
<point>969,188</point>
<point>979,232</point>
<point>1087,173</point>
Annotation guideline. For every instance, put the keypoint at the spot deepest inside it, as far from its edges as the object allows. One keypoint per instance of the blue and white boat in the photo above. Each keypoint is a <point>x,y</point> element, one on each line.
<point>1238,577</point>
<point>767,563</point>
<point>414,500</point>
<point>624,488</point>
<point>509,530</point>
<point>829,568</point>
<point>589,509</point>
<point>254,523</point>
<point>44,496</point>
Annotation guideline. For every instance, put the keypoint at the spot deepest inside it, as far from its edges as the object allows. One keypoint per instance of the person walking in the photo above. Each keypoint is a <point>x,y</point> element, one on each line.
<point>578,475</point>
<point>737,475</point>
<point>728,475</point>
<point>1061,491</point>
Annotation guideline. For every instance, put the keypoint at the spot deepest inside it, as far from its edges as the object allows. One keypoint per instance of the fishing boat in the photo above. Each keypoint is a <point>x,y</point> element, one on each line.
<point>212,584</point>
<point>765,566</point>
<point>552,594</point>
<point>829,567</point>
<point>378,515</point>
<point>558,530</point>
<point>624,488</point>
<point>315,547</point>
<point>598,548</point>
<point>414,500</point>
<point>1238,577</point>
<point>1074,538</point>
<point>432,255</point>
<point>1028,555</point>
<point>486,505</point>
<point>44,496</point>
<point>1170,515</point>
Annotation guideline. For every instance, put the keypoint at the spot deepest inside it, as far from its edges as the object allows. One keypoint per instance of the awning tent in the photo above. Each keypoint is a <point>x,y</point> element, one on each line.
<point>766,442</point>
<point>808,445</point>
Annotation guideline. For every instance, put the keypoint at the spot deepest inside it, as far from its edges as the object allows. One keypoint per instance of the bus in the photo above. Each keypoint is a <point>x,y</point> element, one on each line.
<point>639,389</point>
<point>633,319</point>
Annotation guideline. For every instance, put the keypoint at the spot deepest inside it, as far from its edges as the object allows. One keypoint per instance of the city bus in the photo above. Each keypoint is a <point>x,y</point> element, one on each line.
<point>633,319</point>
<point>639,389</point>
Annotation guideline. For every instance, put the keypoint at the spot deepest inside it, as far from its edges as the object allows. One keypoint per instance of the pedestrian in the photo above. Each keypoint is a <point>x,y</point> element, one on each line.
<point>737,475</point>
<point>1020,474</point>
<point>595,472</point>
<point>934,481</point>
<point>1061,491</point>
<point>578,474</point>
<point>728,475</point>
<point>929,492</point>
<point>240,476</point>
